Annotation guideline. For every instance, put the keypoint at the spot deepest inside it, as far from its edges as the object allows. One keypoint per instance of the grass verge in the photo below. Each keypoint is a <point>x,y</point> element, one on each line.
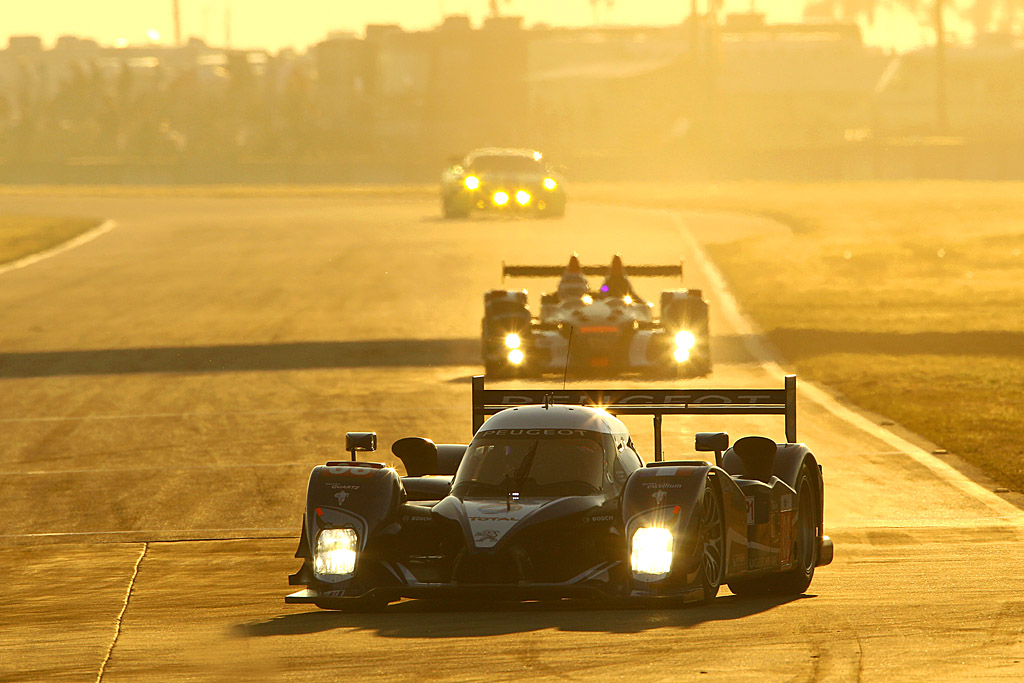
<point>24,235</point>
<point>907,297</point>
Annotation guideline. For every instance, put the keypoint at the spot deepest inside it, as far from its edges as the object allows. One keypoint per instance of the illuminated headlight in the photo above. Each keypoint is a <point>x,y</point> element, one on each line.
<point>513,341</point>
<point>471,182</point>
<point>335,552</point>
<point>651,556</point>
<point>550,184</point>
<point>627,299</point>
<point>500,198</point>
<point>523,197</point>
<point>587,299</point>
<point>681,355</point>
<point>516,356</point>
<point>685,340</point>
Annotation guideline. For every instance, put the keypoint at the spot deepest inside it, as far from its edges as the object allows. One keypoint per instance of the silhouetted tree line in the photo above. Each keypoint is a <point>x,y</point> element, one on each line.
<point>194,112</point>
<point>1005,16</point>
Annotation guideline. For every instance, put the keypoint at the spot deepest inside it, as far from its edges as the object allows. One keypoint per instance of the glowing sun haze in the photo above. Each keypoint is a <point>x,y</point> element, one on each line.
<point>300,23</point>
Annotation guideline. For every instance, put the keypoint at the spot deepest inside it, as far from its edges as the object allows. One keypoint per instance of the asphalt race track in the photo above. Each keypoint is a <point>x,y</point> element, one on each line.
<point>166,388</point>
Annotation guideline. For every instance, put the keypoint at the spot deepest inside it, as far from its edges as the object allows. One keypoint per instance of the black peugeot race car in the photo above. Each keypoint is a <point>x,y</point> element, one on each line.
<point>551,500</point>
<point>502,181</point>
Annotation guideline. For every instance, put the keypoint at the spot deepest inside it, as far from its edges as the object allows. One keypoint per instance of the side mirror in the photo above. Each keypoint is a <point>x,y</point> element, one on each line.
<point>712,441</point>
<point>360,441</point>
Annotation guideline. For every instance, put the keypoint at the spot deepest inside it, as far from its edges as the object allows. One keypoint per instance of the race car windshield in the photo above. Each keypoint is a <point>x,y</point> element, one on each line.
<point>534,462</point>
<point>507,164</point>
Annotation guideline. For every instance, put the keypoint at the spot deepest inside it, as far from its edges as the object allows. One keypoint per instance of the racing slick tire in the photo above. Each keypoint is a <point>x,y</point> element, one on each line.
<point>805,549</point>
<point>496,369</point>
<point>451,210</point>
<point>712,535</point>
<point>805,540</point>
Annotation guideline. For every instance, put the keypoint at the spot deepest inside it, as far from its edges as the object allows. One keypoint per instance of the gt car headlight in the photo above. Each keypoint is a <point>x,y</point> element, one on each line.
<point>500,198</point>
<point>335,552</point>
<point>685,340</point>
<point>523,197</point>
<point>471,182</point>
<point>550,184</point>
<point>513,341</point>
<point>651,556</point>
<point>681,355</point>
<point>516,356</point>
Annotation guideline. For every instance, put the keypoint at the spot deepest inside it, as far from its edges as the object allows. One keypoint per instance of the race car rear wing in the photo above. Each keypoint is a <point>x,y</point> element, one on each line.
<point>555,271</point>
<point>656,402</point>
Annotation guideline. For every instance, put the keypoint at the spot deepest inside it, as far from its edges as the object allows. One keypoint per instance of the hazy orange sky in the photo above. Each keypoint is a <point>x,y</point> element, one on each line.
<point>300,23</point>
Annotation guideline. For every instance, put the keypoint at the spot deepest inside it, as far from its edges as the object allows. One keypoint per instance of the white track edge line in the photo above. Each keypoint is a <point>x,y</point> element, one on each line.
<point>809,391</point>
<point>85,237</point>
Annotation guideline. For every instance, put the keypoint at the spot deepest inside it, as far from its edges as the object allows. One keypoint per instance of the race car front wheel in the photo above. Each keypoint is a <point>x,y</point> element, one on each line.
<point>712,535</point>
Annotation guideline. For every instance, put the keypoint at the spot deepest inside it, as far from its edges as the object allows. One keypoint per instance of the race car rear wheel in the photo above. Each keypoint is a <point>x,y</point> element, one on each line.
<point>805,549</point>
<point>712,535</point>
<point>805,540</point>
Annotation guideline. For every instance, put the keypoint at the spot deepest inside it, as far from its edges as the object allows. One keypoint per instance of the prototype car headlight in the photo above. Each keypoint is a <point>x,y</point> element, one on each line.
<point>516,356</point>
<point>523,197</point>
<point>500,198</point>
<point>471,182</point>
<point>550,184</point>
<point>685,340</point>
<point>513,341</point>
<point>651,556</point>
<point>335,552</point>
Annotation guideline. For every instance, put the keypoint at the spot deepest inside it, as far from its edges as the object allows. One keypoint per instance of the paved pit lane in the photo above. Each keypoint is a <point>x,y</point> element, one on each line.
<point>166,387</point>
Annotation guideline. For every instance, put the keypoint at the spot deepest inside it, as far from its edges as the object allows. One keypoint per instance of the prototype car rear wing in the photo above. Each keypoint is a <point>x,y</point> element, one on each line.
<point>555,271</point>
<point>656,402</point>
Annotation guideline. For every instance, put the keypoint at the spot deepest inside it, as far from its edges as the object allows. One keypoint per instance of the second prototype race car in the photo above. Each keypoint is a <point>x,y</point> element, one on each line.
<point>498,180</point>
<point>551,500</point>
<point>609,330</point>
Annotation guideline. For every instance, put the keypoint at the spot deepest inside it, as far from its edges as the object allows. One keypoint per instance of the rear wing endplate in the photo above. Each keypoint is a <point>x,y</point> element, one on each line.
<point>656,402</point>
<point>672,270</point>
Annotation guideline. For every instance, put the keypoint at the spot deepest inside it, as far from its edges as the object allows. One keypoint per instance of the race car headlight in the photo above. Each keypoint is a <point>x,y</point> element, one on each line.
<point>681,355</point>
<point>523,197</point>
<point>513,341</point>
<point>550,184</point>
<point>471,182</point>
<point>651,556</point>
<point>335,552</point>
<point>516,356</point>
<point>500,198</point>
<point>685,340</point>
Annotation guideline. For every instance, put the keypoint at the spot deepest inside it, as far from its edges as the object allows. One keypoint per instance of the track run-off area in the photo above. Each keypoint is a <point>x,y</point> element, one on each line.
<point>166,387</point>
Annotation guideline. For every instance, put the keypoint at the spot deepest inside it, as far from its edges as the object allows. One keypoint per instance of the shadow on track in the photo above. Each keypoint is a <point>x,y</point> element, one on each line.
<point>425,619</point>
<point>279,356</point>
<point>807,343</point>
<point>243,357</point>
